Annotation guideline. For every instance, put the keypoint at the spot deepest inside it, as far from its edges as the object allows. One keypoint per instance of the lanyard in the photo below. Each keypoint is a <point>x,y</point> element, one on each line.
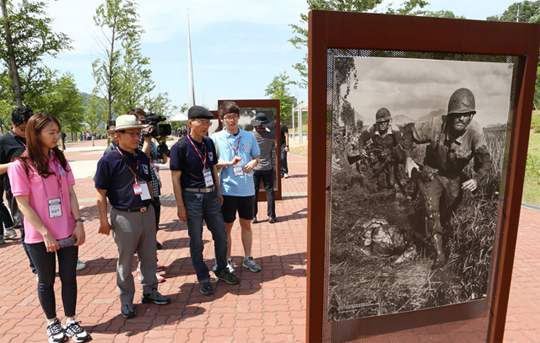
<point>134,175</point>
<point>197,150</point>
<point>18,140</point>
<point>237,146</point>
<point>58,177</point>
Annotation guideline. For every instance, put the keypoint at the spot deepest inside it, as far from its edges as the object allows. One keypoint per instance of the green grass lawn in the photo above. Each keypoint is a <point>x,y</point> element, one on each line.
<point>531,188</point>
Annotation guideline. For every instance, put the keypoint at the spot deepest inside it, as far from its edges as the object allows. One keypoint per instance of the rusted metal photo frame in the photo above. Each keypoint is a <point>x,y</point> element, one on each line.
<point>341,30</point>
<point>262,103</point>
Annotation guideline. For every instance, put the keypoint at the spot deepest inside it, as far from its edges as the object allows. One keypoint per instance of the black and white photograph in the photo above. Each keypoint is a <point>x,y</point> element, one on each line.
<point>418,153</point>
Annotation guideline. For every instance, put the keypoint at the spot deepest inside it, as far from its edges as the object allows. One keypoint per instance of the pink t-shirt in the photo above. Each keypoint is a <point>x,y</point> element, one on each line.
<point>21,184</point>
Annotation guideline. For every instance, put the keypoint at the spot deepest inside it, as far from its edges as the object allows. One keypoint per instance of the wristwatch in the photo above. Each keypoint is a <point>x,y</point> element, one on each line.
<point>286,146</point>
<point>79,220</point>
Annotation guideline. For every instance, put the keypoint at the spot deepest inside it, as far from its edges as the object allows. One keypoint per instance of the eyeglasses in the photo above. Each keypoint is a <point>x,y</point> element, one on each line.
<point>384,122</point>
<point>233,117</point>
<point>23,129</point>
<point>205,123</point>
<point>132,134</point>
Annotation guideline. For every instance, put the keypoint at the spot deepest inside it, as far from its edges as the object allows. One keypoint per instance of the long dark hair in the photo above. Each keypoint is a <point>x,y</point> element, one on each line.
<point>34,151</point>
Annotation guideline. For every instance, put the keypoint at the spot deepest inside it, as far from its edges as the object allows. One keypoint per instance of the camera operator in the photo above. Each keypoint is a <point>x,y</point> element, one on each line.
<point>156,155</point>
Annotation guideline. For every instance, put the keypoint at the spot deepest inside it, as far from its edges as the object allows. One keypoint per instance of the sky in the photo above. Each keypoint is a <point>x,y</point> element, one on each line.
<point>238,46</point>
<point>415,88</point>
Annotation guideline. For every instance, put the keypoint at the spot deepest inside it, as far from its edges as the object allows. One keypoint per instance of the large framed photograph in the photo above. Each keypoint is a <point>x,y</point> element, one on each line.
<point>404,241</point>
<point>414,206</point>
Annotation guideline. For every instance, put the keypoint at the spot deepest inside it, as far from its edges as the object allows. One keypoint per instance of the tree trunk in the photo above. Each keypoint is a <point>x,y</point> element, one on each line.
<point>11,54</point>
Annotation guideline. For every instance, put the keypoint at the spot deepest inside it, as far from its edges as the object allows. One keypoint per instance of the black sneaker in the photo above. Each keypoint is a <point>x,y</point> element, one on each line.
<point>225,275</point>
<point>254,220</point>
<point>206,288</point>
<point>155,297</point>
<point>128,311</point>
<point>159,246</point>
<point>272,220</point>
<point>76,332</point>
<point>55,332</point>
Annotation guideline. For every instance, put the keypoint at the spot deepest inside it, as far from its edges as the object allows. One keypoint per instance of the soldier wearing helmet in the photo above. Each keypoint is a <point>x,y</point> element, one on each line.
<point>453,140</point>
<point>377,144</point>
<point>381,134</point>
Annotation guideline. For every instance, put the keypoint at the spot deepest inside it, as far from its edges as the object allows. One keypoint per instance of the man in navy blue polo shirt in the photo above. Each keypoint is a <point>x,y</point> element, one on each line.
<point>124,177</point>
<point>198,196</point>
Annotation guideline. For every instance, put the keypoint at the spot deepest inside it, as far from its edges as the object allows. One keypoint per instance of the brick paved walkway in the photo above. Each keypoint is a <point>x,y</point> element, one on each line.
<point>264,307</point>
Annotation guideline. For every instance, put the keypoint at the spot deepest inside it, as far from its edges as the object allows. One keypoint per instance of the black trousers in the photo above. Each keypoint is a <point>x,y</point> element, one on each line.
<point>267,177</point>
<point>45,263</point>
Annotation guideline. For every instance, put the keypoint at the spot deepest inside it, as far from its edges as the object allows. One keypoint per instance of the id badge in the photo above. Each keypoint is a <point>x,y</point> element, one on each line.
<point>238,170</point>
<point>55,208</point>
<point>137,188</point>
<point>145,194</point>
<point>207,173</point>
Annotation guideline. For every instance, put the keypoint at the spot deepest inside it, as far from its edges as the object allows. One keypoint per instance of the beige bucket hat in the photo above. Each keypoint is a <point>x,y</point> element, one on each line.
<point>126,122</point>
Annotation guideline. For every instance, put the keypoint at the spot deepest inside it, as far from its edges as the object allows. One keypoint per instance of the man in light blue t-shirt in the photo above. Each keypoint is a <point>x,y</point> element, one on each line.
<point>238,154</point>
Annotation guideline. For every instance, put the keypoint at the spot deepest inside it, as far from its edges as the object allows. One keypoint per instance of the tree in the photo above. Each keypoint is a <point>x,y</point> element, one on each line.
<point>5,115</point>
<point>63,101</point>
<point>117,20</point>
<point>529,12</point>
<point>135,78</point>
<point>278,89</point>
<point>25,37</point>
<point>300,40</point>
<point>159,104</point>
<point>95,113</point>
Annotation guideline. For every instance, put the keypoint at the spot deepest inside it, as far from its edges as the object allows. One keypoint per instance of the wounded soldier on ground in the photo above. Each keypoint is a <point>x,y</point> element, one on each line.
<point>454,139</point>
<point>377,144</point>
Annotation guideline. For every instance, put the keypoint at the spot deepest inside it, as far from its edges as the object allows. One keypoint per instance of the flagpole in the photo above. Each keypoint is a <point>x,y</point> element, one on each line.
<point>191,101</point>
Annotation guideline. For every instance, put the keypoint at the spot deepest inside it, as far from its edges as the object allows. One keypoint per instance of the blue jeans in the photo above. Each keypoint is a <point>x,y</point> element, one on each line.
<point>284,167</point>
<point>205,206</point>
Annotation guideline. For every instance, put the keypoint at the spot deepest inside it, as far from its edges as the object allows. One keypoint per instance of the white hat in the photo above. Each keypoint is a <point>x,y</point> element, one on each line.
<point>126,122</point>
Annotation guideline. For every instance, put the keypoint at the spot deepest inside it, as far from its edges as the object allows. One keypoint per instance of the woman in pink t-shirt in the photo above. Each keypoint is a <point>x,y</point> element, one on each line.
<point>42,182</point>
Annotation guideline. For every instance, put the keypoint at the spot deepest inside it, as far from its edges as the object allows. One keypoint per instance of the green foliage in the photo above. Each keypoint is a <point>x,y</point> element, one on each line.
<point>300,38</point>
<point>528,13</point>
<point>159,104</point>
<point>117,20</point>
<point>278,89</point>
<point>32,37</point>
<point>135,78</point>
<point>5,115</point>
<point>62,101</point>
<point>95,113</point>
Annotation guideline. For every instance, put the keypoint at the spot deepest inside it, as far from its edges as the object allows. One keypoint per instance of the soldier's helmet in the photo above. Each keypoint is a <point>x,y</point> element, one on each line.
<point>382,115</point>
<point>461,102</point>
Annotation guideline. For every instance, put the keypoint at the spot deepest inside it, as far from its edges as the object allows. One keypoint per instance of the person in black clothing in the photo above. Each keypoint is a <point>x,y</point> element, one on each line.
<point>12,145</point>
<point>284,150</point>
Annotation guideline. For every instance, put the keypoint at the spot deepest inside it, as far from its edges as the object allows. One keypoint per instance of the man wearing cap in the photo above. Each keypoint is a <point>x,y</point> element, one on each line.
<point>123,176</point>
<point>198,196</point>
<point>453,141</point>
<point>239,154</point>
<point>264,171</point>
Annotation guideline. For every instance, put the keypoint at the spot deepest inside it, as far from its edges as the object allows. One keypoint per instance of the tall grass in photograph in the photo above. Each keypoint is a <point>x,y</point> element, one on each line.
<point>363,283</point>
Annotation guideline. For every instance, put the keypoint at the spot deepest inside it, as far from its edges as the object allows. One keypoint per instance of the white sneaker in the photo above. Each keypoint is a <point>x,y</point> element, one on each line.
<point>230,267</point>
<point>76,332</point>
<point>80,265</point>
<point>55,332</point>
<point>285,176</point>
<point>10,233</point>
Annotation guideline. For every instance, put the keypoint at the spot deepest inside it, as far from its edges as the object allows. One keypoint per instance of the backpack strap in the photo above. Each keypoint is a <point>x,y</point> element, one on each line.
<point>183,147</point>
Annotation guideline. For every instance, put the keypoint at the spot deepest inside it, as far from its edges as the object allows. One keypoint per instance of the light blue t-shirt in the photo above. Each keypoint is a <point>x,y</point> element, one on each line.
<point>239,186</point>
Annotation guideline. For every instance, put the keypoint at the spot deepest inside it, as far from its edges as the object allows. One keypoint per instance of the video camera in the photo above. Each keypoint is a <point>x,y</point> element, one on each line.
<point>153,119</point>
<point>159,130</point>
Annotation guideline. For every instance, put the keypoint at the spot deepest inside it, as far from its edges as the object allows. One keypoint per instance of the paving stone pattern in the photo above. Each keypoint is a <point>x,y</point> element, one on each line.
<point>269,306</point>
